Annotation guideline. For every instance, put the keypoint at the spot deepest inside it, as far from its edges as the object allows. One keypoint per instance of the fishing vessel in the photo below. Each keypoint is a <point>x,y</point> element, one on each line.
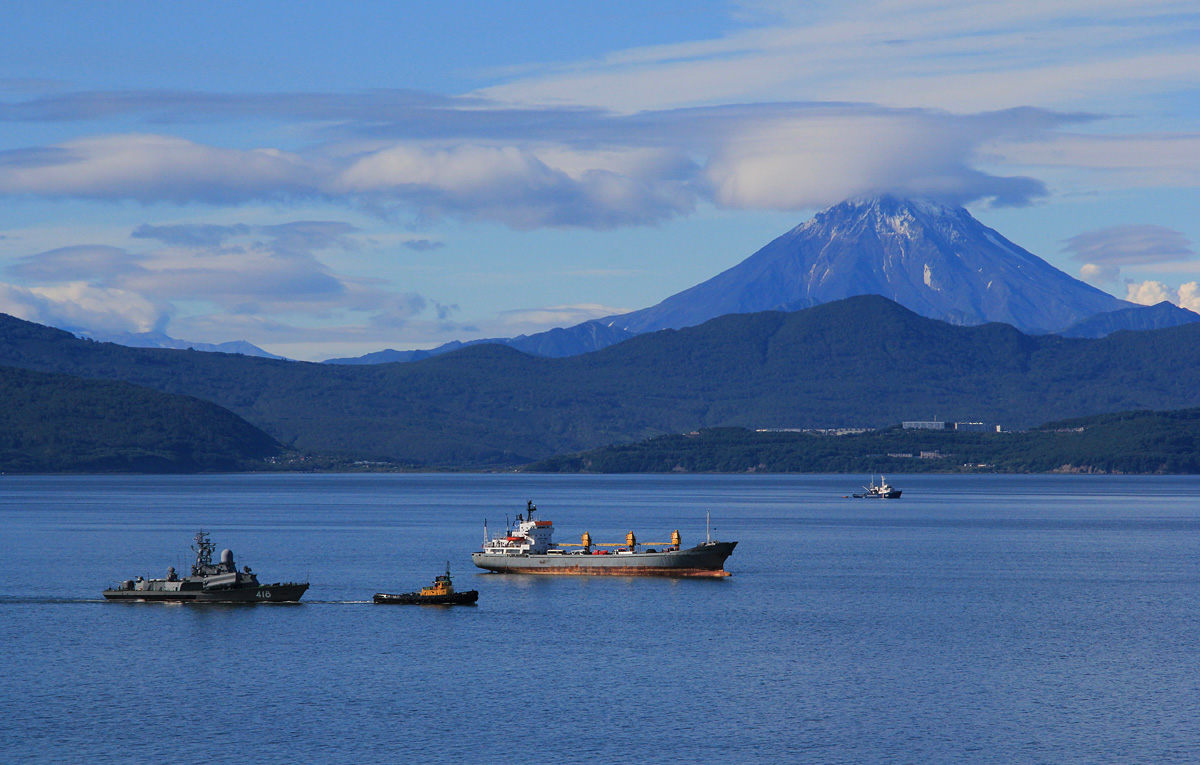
<point>209,583</point>
<point>440,593</point>
<point>881,490</point>
<point>529,548</point>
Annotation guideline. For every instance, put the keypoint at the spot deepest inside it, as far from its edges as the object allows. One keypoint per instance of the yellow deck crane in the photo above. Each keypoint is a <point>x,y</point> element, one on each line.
<point>630,542</point>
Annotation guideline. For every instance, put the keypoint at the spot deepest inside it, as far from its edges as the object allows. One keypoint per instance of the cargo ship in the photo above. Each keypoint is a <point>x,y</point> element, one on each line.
<point>529,548</point>
<point>209,583</point>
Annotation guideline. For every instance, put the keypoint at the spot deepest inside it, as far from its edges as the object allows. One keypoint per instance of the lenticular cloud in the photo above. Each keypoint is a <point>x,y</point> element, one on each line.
<point>597,171</point>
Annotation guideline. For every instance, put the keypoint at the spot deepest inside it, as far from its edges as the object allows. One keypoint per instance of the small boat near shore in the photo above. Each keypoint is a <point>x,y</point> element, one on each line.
<point>440,593</point>
<point>881,490</point>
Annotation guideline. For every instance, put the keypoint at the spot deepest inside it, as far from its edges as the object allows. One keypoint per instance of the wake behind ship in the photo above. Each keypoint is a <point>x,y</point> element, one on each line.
<point>530,549</point>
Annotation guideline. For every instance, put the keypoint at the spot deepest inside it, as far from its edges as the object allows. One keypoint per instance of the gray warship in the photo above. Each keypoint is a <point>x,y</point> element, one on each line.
<point>209,583</point>
<point>529,549</point>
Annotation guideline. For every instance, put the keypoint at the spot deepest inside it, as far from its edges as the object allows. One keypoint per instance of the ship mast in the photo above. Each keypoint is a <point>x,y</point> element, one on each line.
<point>204,550</point>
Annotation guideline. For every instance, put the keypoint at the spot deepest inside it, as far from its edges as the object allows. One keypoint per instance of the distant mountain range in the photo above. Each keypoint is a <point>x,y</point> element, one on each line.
<point>863,361</point>
<point>555,343</point>
<point>935,260</point>
<point>159,340</point>
<point>1135,318</point>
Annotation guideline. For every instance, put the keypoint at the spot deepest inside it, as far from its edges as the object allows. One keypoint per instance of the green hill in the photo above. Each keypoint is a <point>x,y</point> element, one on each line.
<point>58,423</point>
<point>863,362</point>
<point>1127,442</point>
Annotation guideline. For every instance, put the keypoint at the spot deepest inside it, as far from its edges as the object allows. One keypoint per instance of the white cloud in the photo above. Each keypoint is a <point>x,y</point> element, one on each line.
<point>524,187</point>
<point>612,172</point>
<point>1099,275</point>
<point>154,168</point>
<point>816,158</point>
<point>1149,293</point>
<point>1189,296</point>
<point>78,305</point>
<point>263,283</point>
<point>1111,161</point>
<point>252,272</point>
<point>969,55</point>
<point>79,262</point>
<point>521,186</point>
<point>1106,250</point>
<point>530,320</point>
<point>1130,244</point>
<point>803,104</point>
<point>1152,293</point>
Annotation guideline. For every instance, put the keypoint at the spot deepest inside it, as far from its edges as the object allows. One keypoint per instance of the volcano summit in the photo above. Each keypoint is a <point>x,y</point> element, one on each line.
<point>935,260</point>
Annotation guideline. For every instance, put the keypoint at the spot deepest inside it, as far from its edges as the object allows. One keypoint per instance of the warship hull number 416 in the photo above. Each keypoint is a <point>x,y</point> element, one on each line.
<point>209,583</point>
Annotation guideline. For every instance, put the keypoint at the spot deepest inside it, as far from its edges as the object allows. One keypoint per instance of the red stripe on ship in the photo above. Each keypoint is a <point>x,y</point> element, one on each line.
<point>618,571</point>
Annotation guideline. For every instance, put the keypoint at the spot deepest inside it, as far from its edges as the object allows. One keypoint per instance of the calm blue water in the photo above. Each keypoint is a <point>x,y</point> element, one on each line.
<point>997,619</point>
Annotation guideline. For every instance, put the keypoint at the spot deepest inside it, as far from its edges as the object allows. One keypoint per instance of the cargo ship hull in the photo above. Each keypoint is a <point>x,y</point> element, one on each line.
<point>704,560</point>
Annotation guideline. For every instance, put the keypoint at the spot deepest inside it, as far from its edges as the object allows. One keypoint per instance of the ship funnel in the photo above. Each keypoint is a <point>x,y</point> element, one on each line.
<point>676,540</point>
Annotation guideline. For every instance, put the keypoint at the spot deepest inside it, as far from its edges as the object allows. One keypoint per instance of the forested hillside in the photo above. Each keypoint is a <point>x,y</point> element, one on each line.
<point>58,423</point>
<point>1127,442</point>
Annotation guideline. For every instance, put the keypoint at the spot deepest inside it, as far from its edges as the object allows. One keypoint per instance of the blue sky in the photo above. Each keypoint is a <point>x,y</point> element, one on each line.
<point>328,179</point>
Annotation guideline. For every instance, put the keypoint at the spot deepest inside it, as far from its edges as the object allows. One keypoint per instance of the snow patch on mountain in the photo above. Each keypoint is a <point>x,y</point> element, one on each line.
<point>936,260</point>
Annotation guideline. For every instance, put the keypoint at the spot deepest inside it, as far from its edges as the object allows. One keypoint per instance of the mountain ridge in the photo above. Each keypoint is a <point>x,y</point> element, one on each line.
<point>1133,319</point>
<point>556,343</point>
<point>863,361</point>
<point>160,340</point>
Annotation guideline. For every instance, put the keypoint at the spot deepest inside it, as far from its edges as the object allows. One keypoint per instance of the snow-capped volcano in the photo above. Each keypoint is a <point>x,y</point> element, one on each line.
<point>935,260</point>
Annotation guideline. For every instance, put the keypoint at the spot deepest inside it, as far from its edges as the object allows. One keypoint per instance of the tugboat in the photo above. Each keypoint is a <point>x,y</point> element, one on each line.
<point>440,593</point>
<point>529,549</point>
<point>881,490</point>
<point>209,583</point>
